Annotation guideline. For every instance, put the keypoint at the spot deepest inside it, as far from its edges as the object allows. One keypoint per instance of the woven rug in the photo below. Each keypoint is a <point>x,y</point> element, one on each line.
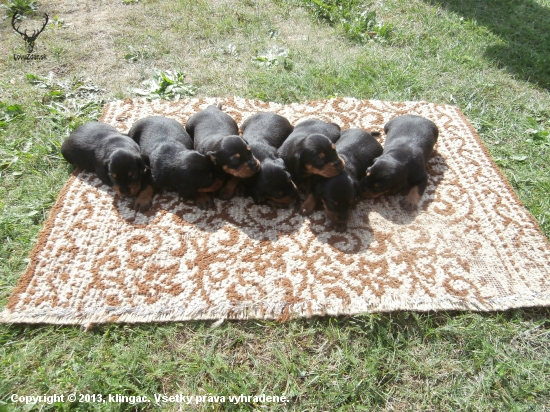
<point>471,244</point>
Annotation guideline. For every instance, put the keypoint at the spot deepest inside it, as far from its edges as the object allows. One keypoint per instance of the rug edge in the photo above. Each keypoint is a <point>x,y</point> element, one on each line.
<point>501,175</point>
<point>26,278</point>
<point>283,313</point>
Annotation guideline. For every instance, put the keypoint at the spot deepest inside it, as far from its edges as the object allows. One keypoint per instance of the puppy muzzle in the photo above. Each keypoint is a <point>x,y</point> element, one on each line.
<point>246,170</point>
<point>333,169</point>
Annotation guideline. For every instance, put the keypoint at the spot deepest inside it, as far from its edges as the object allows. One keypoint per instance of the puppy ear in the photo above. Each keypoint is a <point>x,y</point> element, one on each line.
<point>212,156</point>
<point>375,134</point>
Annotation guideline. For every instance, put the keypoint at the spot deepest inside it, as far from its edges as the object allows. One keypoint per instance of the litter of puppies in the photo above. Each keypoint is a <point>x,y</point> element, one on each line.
<point>311,164</point>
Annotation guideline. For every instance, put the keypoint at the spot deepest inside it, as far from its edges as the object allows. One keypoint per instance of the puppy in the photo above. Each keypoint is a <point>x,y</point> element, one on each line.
<point>310,150</point>
<point>216,135</point>
<point>112,156</point>
<point>174,164</point>
<point>265,132</point>
<point>340,193</point>
<point>402,166</point>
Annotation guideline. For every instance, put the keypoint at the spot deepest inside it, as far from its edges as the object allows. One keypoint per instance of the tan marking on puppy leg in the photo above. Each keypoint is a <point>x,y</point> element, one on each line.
<point>229,189</point>
<point>410,203</point>
<point>309,205</point>
<point>145,199</point>
<point>213,187</point>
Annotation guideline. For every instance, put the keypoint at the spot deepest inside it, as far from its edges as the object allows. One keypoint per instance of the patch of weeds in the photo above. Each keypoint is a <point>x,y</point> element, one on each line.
<point>135,55</point>
<point>68,115</point>
<point>58,22</point>
<point>21,7</point>
<point>69,102</point>
<point>537,133</point>
<point>168,85</point>
<point>130,1</point>
<point>275,56</point>
<point>73,88</point>
<point>357,23</point>
<point>8,112</point>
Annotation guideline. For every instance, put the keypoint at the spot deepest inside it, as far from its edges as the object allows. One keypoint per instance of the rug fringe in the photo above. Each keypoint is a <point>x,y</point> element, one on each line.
<point>280,312</point>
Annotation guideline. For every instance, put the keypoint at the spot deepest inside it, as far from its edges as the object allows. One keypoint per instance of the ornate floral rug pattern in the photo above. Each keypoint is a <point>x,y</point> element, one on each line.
<point>471,245</point>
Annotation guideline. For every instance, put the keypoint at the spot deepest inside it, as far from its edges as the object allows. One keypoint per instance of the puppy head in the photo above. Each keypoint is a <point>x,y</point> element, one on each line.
<point>273,182</point>
<point>195,173</point>
<point>319,156</point>
<point>338,195</point>
<point>125,170</point>
<point>235,157</point>
<point>384,176</point>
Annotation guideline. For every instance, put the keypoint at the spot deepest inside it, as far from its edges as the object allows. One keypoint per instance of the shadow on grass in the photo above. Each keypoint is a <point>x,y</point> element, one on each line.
<point>523,27</point>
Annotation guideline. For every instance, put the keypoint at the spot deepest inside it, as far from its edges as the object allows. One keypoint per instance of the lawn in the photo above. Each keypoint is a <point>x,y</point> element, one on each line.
<point>489,58</point>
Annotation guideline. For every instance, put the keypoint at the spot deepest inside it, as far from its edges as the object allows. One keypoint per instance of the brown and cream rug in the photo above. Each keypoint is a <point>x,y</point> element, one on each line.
<point>471,245</point>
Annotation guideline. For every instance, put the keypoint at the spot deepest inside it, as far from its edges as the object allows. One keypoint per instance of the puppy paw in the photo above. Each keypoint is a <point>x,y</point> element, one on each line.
<point>408,205</point>
<point>240,191</point>
<point>225,194</point>
<point>278,205</point>
<point>308,206</point>
<point>144,200</point>
<point>340,227</point>
<point>142,205</point>
<point>204,202</point>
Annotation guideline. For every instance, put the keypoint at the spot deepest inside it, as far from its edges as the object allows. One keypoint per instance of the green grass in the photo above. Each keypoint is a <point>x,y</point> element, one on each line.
<point>489,58</point>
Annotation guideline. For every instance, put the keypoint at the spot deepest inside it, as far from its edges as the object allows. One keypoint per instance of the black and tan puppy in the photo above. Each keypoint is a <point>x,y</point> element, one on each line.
<point>265,132</point>
<point>112,156</point>
<point>310,150</point>
<point>216,134</point>
<point>339,194</point>
<point>409,144</point>
<point>174,164</point>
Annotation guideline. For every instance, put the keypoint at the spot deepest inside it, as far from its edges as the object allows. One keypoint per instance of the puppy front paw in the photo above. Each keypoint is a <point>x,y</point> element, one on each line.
<point>278,205</point>
<point>408,205</point>
<point>225,194</point>
<point>144,200</point>
<point>141,205</point>
<point>340,227</point>
<point>204,202</point>
<point>308,206</point>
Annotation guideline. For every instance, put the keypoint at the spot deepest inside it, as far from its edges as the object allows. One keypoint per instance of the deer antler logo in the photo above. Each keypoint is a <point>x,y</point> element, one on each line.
<point>28,39</point>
